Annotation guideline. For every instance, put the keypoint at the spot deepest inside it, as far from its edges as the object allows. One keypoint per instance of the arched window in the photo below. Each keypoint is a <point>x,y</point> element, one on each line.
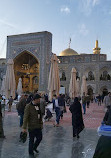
<point>90,91</point>
<point>108,77</point>
<point>90,75</point>
<point>105,91</point>
<point>63,78</point>
<point>105,74</point>
<point>101,77</point>
<point>77,75</point>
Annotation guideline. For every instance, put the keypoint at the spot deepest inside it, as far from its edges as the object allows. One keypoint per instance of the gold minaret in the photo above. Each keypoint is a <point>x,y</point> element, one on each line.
<point>96,50</point>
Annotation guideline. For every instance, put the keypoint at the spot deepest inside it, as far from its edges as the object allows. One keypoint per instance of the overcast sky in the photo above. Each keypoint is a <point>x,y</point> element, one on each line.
<point>83,21</point>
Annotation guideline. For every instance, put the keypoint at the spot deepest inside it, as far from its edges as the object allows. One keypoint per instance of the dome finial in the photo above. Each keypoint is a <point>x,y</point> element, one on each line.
<point>96,44</point>
<point>96,50</point>
<point>69,42</point>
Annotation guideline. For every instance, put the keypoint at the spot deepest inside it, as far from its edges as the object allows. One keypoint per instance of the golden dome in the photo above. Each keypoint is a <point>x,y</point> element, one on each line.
<point>68,52</point>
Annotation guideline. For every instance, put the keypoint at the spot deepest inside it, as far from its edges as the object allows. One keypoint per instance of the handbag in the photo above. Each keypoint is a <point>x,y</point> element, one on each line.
<point>23,137</point>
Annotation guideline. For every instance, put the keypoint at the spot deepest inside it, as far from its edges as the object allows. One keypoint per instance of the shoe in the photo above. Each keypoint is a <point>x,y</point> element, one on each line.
<point>78,136</point>
<point>2,137</point>
<point>31,156</point>
<point>56,125</point>
<point>23,136</point>
<point>36,151</point>
<point>74,137</point>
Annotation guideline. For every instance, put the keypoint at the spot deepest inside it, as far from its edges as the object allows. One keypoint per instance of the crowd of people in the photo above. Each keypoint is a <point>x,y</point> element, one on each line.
<point>32,110</point>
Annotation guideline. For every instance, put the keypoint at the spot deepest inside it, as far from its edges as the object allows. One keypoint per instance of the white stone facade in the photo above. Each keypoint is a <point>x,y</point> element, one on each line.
<point>95,66</point>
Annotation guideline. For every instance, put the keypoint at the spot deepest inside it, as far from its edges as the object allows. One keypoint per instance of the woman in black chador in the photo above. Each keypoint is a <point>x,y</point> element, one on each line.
<point>77,120</point>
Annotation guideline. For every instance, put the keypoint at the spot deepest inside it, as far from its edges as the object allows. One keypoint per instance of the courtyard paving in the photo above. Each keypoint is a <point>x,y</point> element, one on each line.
<point>57,141</point>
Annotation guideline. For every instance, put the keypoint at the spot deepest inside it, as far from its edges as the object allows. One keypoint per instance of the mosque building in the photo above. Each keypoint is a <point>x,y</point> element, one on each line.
<point>32,52</point>
<point>94,66</point>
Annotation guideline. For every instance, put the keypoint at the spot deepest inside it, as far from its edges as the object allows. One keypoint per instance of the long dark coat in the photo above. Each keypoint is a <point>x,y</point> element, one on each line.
<point>77,120</point>
<point>103,148</point>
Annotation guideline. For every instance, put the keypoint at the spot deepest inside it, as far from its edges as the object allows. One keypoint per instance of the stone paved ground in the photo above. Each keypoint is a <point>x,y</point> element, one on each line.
<point>92,118</point>
<point>57,141</point>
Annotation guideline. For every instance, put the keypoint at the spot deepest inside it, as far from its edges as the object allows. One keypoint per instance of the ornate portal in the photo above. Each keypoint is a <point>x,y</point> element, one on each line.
<point>27,67</point>
<point>31,54</point>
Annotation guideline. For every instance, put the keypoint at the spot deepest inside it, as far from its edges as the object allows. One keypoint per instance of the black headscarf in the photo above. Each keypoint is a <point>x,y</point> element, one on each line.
<point>75,106</point>
<point>76,100</point>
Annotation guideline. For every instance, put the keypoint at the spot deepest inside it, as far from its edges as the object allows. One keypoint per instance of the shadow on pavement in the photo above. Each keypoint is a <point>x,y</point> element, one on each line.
<point>77,149</point>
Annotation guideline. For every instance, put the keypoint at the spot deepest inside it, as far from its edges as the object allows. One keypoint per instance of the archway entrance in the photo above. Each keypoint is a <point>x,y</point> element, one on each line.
<point>90,91</point>
<point>26,66</point>
<point>105,91</point>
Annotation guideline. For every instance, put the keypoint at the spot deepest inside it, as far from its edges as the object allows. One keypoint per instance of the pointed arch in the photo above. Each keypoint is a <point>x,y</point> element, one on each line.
<point>104,90</point>
<point>90,90</point>
<point>26,66</point>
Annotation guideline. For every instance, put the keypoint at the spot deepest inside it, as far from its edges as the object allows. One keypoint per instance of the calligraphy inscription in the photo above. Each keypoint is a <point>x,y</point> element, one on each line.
<point>26,42</point>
